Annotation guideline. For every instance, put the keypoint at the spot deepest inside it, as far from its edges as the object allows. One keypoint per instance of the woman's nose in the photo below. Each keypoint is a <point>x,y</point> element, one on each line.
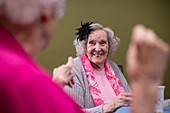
<point>97,47</point>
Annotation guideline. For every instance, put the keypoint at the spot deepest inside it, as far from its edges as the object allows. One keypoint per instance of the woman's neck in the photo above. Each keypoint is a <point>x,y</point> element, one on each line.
<point>21,33</point>
<point>97,67</point>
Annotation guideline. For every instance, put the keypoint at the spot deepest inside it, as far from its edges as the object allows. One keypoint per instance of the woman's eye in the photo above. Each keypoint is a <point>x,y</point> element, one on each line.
<point>103,42</point>
<point>91,42</point>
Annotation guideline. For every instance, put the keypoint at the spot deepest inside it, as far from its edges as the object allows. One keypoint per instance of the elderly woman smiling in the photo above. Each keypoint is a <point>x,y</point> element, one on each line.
<point>99,85</point>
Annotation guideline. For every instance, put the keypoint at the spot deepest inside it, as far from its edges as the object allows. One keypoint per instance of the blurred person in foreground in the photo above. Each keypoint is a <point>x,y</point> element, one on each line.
<point>26,28</point>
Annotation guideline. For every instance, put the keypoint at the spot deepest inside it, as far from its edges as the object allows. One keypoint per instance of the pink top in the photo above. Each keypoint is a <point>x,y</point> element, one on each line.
<point>107,91</point>
<point>24,86</point>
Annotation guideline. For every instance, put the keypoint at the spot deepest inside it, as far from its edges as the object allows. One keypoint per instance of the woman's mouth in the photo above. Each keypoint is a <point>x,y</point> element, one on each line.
<point>97,53</point>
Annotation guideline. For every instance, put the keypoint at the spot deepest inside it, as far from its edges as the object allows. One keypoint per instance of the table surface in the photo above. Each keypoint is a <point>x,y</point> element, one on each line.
<point>167,109</point>
<point>127,110</point>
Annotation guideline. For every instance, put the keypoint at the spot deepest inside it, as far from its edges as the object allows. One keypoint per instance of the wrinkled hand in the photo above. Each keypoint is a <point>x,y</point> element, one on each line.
<point>63,74</point>
<point>123,99</point>
<point>147,55</point>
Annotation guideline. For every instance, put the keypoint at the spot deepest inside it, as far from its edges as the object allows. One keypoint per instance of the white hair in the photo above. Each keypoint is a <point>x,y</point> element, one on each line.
<point>28,11</point>
<point>113,41</point>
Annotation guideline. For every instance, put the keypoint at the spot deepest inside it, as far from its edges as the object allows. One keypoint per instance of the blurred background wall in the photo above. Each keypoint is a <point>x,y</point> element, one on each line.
<point>120,16</point>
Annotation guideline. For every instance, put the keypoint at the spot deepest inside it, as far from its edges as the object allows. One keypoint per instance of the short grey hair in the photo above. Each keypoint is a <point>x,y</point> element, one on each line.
<point>28,11</point>
<point>113,41</point>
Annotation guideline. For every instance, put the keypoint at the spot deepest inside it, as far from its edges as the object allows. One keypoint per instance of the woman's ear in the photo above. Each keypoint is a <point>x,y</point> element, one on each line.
<point>44,18</point>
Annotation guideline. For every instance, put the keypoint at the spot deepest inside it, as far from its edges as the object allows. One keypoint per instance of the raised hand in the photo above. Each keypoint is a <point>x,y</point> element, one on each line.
<point>147,59</point>
<point>63,74</point>
<point>147,55</point>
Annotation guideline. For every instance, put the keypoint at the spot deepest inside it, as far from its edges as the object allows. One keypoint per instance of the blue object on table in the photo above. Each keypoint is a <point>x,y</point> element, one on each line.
<point>167,109</point>
<point>127,110</point>
<point>123,110</point>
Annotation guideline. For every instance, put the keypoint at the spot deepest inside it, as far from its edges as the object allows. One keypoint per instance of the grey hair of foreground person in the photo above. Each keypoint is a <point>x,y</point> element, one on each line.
<point>113,41</point>
<point>26,12</point>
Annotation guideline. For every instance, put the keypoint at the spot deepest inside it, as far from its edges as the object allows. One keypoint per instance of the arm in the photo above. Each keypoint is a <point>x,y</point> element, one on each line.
<point>32,91</point>
<point>147,58</point>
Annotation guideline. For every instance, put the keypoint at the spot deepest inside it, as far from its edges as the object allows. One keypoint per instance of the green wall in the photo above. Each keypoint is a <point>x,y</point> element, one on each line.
<point>119,15</point>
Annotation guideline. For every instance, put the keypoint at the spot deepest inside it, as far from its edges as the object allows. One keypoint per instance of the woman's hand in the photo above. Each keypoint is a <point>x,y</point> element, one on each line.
<point>63,74</point>
<point>123,99</point>
<point>147,56</point>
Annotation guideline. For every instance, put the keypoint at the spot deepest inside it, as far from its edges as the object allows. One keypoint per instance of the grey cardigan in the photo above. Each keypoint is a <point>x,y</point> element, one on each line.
<point>80,92</point>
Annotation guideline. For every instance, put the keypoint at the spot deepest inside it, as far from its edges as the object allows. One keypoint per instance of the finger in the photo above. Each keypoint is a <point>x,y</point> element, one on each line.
<point>72,81</point>
<point>124,94</point>
<point>70,84</point>
<point>121,103</point>
<point>126,104</point>
<point>69,62</point>
<point>127,99</point>
<point>55,70</point>
<point>54,74</point>
<point>70,76</point>
<point>138,33</point>
<point>128,94</point>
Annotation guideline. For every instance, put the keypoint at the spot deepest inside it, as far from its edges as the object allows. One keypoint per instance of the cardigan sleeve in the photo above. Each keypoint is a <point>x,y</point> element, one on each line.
<point>97,109</point>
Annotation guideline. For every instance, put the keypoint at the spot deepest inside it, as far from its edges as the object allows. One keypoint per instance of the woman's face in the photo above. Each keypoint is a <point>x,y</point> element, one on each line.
<point>97,48</point>
<point>42,35</point>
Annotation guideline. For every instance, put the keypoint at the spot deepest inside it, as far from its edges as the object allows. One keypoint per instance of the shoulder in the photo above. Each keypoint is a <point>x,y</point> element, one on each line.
<point>16,69</point>
<point>78,66</point>
<point>77,60</point>
<point>78,63</point>
<point>78,70</point>
<point>112,63</point>
<point>115,67</point>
